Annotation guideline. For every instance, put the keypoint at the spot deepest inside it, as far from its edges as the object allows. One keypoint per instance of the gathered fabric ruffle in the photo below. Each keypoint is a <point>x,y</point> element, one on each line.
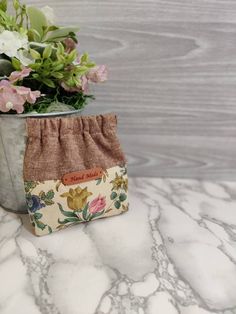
<point>57,146</point>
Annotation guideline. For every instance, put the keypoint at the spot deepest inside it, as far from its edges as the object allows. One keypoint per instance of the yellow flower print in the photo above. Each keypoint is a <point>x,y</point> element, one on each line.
<point>77,198</point>
<point>119,183</point>
<point>125,185</point>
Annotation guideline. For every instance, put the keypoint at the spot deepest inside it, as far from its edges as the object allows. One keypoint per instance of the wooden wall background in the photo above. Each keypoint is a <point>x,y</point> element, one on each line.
<point>172,80</point>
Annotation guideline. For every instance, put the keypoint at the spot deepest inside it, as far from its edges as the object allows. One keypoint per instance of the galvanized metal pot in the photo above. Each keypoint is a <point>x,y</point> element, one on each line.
<point>12,148</point>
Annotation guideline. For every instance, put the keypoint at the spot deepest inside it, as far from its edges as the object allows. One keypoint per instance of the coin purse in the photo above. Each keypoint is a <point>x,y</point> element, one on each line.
<point>74,171</point>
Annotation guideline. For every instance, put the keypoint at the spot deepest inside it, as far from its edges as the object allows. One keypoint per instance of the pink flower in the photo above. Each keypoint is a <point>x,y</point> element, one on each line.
<point>19,75</point>
<point>84,85</point>
<point>98,74</point>
<point>29,95</point>
<point>14,97</point>
<point>97,204</point>
<point>70,44</point>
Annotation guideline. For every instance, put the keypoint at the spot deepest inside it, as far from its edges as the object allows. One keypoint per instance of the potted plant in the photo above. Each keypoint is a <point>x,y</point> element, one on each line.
<point>41,73</point>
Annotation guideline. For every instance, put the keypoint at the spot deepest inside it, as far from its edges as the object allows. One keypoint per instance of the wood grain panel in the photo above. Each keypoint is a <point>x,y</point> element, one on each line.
<point>172,67</point>
<point>181,156</point>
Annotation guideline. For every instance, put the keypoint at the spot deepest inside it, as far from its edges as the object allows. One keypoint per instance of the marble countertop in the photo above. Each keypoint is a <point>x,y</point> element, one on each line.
<point>174,252</point>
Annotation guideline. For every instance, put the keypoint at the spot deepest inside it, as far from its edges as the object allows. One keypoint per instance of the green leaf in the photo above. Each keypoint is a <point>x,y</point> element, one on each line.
<point>57,75</point>
<point>51,28</point>
<point>58,67</point>
<point>81,69</point>
<point>49,229</point>
<point>36,75</point>
<point>117,204</point>
<point>37,20</point>
<point>98,181</point>
<point>35,66</point>
<point>48,82</point>
<point>3,5</point>
<point>84,58</point>
<point>60,57</point>
<point>48,202</point>
<point>29,185</point>
<point>72,56</point>
<point>65,221</point>
<point>41,46</point>
<point>5,67</point>
<point>40,224</point>
<point>16,64</point>
<point>4,17</point>
<point>97,214</point>
<point>16,4</point>
<point>50,194</point>
<point>85,212</point>
<point>113,195</point>
<point>60,48</point>
<point>42,195</point>
<point>60,33</point>
<point>90,65</point>
<point>122,197</point>
<point>33,35</point>
<point>35,54</point>
<point>66,213</point>
<point>37,216</point>
<point>47,52</point>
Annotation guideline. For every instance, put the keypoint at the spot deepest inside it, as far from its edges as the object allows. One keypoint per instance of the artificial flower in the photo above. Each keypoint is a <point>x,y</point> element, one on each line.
<point>29,95</point>
<point>97,204</point>
<point>19,75</point>
<point>30,41</point>
<point>84,83</point>
<point>97,74</point>
<point>11,42</point>
<point>14,97</point>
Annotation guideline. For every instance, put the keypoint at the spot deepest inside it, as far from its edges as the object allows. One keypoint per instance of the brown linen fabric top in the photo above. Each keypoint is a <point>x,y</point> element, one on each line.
<point>57,146</point>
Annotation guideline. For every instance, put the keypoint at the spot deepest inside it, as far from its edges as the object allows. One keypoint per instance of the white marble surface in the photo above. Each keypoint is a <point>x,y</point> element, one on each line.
<point>173,252</point>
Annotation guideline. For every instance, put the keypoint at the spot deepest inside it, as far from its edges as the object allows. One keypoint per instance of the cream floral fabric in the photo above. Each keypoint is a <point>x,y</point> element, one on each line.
<point>53,206</point>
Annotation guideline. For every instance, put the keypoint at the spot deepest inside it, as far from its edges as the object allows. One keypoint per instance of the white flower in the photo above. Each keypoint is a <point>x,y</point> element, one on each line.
<point>11,42</point>
<point>25,57</point>
<point>49,14</point>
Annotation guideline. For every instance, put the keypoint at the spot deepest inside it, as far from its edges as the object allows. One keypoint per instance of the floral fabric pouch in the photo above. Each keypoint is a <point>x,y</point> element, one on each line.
<point>74,171</point>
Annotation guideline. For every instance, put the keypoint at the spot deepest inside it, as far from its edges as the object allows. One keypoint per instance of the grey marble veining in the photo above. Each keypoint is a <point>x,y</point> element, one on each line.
<point>174,252</point>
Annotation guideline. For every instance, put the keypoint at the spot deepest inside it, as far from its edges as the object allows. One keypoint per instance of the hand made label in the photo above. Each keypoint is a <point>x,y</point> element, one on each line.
<point>82,176</point>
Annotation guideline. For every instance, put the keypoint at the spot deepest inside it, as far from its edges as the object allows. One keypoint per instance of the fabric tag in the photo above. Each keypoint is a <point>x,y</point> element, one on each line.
<point>82,176</point>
